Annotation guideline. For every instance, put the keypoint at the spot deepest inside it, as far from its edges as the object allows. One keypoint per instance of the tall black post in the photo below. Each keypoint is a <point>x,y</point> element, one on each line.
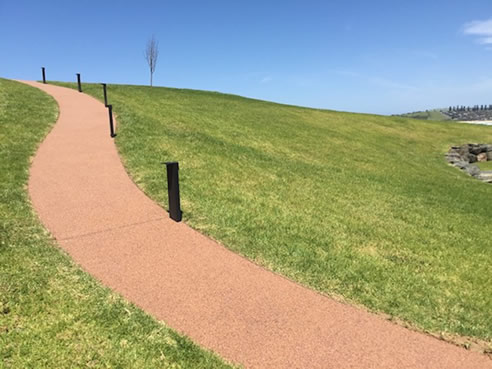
<point>111,127</point>
<point>105,95</point>
<point>44,75</point>
<point>173,191</point>
<point>78,82</point>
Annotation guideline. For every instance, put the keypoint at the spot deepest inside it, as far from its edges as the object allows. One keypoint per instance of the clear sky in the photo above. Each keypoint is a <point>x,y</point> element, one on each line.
<point>380,56</point>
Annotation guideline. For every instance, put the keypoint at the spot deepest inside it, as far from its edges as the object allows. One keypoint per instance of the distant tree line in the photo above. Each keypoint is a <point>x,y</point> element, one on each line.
<point>469,108</point>
<point>464,113</point>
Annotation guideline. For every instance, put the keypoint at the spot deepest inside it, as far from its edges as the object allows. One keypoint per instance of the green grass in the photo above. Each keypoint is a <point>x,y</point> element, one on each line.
<point>52,314</point>
<point>484,165</point>
<point>359,206</point>
<point>427,115</point>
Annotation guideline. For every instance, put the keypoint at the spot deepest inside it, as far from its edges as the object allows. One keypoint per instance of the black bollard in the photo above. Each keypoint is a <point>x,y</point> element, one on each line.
<point>44,75</point>
<point>105,95</point>
<point>111,127</point>
<point>78,82</point>
<point>173,191</point>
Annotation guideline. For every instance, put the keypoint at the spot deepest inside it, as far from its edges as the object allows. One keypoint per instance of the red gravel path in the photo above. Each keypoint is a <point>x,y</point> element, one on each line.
<point>225,303</point>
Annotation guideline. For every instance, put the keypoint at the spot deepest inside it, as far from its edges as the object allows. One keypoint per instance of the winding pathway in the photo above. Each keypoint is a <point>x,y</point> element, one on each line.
<point>246,314</point>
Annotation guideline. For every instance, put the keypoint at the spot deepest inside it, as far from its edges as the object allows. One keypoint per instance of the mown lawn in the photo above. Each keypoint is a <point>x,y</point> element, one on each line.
<point>52,314</point>
<point>361,207</point>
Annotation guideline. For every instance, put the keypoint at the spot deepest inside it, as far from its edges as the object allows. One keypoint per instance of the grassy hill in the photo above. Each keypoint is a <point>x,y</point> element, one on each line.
<point>427,115</point>
<point>52,314</point>
<point>361,207</point>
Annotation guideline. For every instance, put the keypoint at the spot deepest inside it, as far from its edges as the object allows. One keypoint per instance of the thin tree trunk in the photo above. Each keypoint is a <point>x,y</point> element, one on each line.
<point>151,53</point>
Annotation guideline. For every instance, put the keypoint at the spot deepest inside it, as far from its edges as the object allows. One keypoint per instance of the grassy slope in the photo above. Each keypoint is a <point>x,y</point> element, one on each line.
<point>484,165</point>
<point>355,205</point>
<point>427,115</point>
<point>53,315</point>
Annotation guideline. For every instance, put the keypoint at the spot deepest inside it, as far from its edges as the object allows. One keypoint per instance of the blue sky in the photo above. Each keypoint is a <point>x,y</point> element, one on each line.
<point>365,56</point>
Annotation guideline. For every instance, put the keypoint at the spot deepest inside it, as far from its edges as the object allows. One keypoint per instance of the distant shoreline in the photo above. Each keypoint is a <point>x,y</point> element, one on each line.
<point>482,122</point>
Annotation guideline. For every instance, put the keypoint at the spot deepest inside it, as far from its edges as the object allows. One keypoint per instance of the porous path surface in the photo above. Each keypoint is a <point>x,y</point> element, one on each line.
<point>225,303</point>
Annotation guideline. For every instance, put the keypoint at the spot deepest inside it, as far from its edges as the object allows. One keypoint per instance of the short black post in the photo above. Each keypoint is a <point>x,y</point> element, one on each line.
<point>173,191</point>
<point>44,75</point>
<point>78,82</point>
<point>105,95</point>
<point>111,127</point>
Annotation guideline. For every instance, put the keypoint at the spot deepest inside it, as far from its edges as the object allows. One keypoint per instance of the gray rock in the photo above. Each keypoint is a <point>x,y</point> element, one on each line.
<point>463,156</point>
<point>472,170</point>
<point>464,150</point>
<point>461,164</point>
<point>454,161</point>
<point>477,149</point>
<point>485,176</point>
<point>454,157</point>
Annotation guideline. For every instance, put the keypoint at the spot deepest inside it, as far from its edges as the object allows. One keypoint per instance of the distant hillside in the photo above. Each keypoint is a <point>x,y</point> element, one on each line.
<point>435,114</point>
<point>468,113</point>
<point>456,113</point>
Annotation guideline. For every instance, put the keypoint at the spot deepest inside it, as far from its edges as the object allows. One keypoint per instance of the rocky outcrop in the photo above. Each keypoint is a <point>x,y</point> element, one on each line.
<point>464,156</point>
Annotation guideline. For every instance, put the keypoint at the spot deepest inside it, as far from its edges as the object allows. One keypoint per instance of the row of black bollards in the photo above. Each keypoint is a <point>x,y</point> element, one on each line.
<point>79,83</point>
<point>172,167</point>
<point>79,87</point>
